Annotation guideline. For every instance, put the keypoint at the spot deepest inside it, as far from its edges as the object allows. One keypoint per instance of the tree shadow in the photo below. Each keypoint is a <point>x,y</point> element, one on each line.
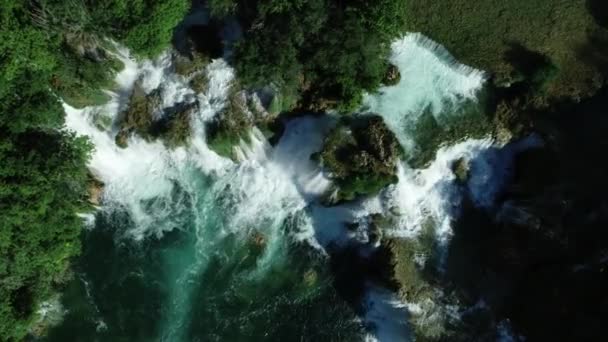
<point>599,10</point>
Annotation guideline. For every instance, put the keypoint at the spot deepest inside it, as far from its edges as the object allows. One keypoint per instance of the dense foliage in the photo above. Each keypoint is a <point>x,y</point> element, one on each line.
<point>51,49</point>
<point>42,173</point>
<point>545,247</point>
<point>361,155</point>
<point>146,26</point>
<point>328,51</point>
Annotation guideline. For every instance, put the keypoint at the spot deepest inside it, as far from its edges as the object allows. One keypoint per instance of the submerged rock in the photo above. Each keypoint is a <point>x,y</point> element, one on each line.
<point>50,313</point>
<point>310,278</point>
<point>258,239</point>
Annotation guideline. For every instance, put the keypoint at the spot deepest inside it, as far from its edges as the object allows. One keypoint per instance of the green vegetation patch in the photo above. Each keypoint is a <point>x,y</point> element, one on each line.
<point>361,154</point>
<point>488,34</point>
<point>53,49</point>
<point>329,52</point>
<point>43,184</point>
<point>141,118</point>
<point>231,126</point>
<point>81,81</point>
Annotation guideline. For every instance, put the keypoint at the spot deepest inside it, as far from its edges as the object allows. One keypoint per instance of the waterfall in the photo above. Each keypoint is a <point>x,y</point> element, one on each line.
<point>431,81</point>
<point>270,198</point>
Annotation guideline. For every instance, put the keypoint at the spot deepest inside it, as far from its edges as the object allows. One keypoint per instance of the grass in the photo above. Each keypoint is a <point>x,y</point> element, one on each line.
<point>482,33</point>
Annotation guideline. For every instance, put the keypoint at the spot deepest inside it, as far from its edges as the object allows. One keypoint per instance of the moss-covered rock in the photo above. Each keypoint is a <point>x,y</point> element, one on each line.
<point>243,113</point>
<point>461,169</point>
<point>230,126</point>
<point>146,118</point>
<point>174,127</point>
<point>138,118</point>
<point>199,82</point>
<point>360,155</point>
<point>188,65</point>
<point>392,76</point>
<point>122,139</point>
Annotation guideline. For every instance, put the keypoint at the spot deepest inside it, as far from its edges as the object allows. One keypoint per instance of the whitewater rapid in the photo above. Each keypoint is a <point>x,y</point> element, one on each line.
<point>269,186</point>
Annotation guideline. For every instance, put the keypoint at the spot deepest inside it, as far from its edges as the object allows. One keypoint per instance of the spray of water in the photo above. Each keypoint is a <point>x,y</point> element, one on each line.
<point>270,186</point>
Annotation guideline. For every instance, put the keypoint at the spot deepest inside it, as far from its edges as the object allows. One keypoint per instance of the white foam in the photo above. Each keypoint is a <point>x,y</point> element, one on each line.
<point>431,80</point>
<point>148,170</point>
<point>270,185</point>
<point>386,315</point>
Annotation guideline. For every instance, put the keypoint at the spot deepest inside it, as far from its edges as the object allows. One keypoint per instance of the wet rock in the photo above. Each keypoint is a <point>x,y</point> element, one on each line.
<point>461,169</point>
<point>392,76</point>
<point>101,120</point>
<point>174,127</point>
<point>199,83</point>
<point>95,190</point>
<point>121,139</point>
<point>187,66</point>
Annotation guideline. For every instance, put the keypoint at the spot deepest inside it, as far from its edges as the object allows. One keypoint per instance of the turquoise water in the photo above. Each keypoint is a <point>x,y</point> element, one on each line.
<point>189,246</point>
<point>203,280</point>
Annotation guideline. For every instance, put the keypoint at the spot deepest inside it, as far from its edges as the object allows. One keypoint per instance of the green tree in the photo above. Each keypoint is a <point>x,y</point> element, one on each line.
<point>328,51</point>
<point>42,172</point>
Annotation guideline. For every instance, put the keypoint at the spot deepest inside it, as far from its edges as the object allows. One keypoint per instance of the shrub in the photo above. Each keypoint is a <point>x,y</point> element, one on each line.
<point>361,155</point>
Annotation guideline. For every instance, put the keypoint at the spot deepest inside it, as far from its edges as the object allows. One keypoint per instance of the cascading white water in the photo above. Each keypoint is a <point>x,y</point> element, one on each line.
<point>270,185</point>
<point>431,81</point>
<point>147,170</point>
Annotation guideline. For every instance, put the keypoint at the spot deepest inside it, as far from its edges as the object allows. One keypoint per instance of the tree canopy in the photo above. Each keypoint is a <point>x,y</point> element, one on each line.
<point>328,51</point>
<point>51,49</point>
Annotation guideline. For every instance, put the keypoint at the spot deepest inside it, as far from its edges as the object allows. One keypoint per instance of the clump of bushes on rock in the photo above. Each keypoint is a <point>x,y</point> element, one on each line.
<point>242,114</point>
<point>146,118</point>
<point>360,155</point>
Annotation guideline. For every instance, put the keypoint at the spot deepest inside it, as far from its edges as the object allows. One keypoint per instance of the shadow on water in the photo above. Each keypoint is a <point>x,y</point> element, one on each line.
<point>550,266</point>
